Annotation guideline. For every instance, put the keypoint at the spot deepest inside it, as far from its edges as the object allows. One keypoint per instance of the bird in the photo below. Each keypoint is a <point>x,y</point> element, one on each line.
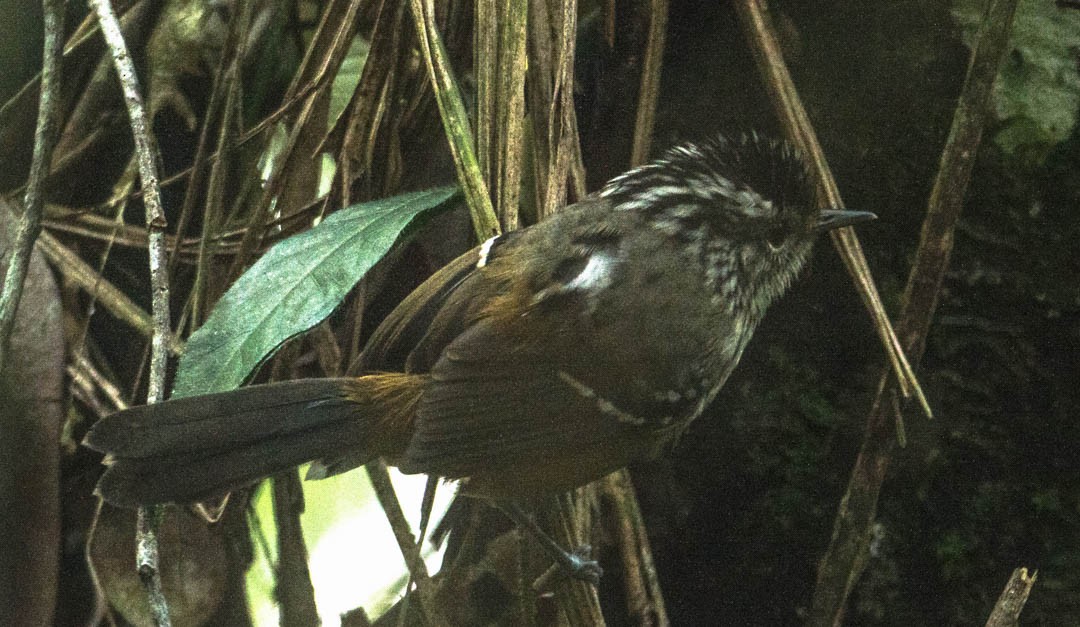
<point>539,361</point>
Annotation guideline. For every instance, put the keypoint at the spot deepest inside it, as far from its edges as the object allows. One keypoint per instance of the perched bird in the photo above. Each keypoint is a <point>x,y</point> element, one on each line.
<point>539,361</point>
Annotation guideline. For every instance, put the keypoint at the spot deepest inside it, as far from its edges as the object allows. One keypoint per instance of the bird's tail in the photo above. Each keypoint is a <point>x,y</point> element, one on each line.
<point>198,447</point>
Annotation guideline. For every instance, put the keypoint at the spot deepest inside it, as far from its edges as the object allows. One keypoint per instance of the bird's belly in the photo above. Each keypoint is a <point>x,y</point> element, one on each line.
<point>553,472</point>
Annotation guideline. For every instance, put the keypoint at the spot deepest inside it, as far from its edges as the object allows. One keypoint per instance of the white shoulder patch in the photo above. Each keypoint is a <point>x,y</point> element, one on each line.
<point>595,275</point>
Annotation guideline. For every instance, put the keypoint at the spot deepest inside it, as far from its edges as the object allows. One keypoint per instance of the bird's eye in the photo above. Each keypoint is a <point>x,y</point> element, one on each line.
<point>776,238</point>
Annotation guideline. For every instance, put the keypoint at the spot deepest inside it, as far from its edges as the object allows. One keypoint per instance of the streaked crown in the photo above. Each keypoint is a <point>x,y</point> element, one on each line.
<point>745,207</point>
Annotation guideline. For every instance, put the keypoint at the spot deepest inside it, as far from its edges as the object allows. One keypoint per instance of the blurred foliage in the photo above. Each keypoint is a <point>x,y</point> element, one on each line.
<point>1037,95</point>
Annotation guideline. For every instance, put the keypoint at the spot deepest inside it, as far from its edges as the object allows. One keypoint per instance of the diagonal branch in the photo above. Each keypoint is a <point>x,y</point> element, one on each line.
<point>844,560</point>
<point>1007,610</point>
<point>766,47</point>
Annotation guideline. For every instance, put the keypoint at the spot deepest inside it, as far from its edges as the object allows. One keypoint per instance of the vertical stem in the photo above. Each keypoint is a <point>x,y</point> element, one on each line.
<point>410,549</point>
<point>455,120</point>
<point>499,54</point>
<point>562,140</point>
<point>149,518</point>
<point>293,590</point>
<point>147,523</point>
<point>510,121</point>
<point>44,140</point>
<point>649,92</point>
<point>645,597</point>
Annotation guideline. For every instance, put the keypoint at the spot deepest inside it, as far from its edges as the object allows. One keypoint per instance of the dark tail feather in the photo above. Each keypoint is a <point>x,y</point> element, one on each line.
<point>194,448</point>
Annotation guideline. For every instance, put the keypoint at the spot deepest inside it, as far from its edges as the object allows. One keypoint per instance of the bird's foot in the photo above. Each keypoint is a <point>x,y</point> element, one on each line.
<point>582,567</point>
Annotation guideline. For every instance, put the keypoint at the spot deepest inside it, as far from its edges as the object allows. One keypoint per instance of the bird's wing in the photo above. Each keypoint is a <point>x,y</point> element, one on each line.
<point>395,338</point>
<point>513,382</point>
<point>415,333</point>
<point>495,404</point>
<point>504,332</point>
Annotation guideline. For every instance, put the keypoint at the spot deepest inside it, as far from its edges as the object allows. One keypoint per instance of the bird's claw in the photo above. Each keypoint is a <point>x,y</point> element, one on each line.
<point>581,567</point>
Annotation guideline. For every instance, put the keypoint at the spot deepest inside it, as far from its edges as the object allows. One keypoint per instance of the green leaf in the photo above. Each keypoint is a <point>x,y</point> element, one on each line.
<point>1038,85</point>
<point>348,77</point>
<point>293,287</point>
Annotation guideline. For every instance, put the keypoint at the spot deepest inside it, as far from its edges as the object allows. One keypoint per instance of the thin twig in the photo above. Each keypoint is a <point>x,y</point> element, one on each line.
<point>44,140</point>
<point>455,120</point>
<point>766,46</point>
<point>116,302</point>
<point>101,382</point>
<point>146,156</point>
<point>572,523</point>
<point>644,596</point>
<point>224,82</point>
<point>410,550</point>
<point>210,244</point>
<point>1007,610</point>
<point>82,389</point>
<point>107,230</point>
<point>357,131</point>
<point>426,505</point>
<point>148,518</point>
<point>321,62</point>
<point>844,560</point>
<point>293,589</point>
<point>649,93</point>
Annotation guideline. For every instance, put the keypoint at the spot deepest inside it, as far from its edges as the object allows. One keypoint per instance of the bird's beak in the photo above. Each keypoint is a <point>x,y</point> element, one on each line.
<point>835,218</point>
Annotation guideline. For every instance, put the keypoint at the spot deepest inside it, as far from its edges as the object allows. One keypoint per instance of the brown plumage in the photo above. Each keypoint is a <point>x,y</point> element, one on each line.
<point>536,363</point>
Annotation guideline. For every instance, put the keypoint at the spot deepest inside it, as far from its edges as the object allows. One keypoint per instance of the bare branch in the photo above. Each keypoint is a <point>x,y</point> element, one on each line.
<point>410,550</point>
<point>1007,610</point>
<point>455,120</point>
<point>843,562</point>
<point>766,46</point>
<point>44,140</point>
<point>149,519</point>
<point>649,93</point>
<point>644,597</point>
<point>116,302</point>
